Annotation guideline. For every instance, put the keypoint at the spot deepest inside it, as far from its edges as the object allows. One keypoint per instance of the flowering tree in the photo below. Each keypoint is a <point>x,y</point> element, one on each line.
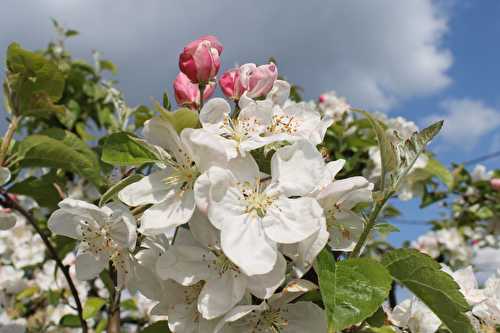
<point>257,212</point>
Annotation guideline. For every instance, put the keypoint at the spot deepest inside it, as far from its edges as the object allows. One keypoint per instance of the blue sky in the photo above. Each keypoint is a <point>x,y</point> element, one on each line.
<point>421,59</point>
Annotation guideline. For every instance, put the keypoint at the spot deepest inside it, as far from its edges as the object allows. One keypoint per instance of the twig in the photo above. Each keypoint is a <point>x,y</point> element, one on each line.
<point>114,303</point>
<point>8,202</point>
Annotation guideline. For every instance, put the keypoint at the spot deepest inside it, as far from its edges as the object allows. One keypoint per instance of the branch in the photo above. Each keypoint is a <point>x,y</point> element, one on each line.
<point>114,322</point>
<point>8,202</point>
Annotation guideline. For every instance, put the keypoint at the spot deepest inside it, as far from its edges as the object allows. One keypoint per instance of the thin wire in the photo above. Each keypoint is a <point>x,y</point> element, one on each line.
<point>482,158</point>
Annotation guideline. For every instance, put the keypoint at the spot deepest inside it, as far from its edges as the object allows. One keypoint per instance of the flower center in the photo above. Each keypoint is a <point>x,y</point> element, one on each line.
<point>191,293</point>
<point>182,175</point>
<point>284,124</point>
<point>273,320</point>
<point>257,202</point>
<point>223,264</point>
<point>97,239</point>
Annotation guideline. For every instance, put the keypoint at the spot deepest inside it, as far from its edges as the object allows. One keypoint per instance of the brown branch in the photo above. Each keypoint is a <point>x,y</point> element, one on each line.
<point>8,202</point>
<point>114,322</point>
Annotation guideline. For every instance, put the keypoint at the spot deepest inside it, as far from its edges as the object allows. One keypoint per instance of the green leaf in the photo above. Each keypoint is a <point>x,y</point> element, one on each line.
<point>180,119</point>
<point>437,169</point>
<point>35,83</point>
<point>108,65</point>
<point>423,277</point>
<point>57,148</point>
<point>352,290</point>
<point>70,320</point>
<point>410,150</point>
<point>27,293</point>
<point>101,326</point>
<point>385,228</point>
<point>129,305</point>
<point>377,319</point>
<point>113,190</point>
<point>92,307</point>
<point>166,101</point>
<point>42,189</point>
<point>141,114</point>
<point>387,151</point>
<point>158,327</point>
<point>124,149</point>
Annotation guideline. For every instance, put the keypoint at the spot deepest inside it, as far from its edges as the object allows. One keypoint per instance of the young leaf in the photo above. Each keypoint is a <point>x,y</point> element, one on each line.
<point>180,119</point>
<point>34,82</point>
<point>92,306</point>
<point>70,320</point>
<point>157,327</point>
<point>113,190</point>
<point>124,149</point>
<point>410,150</point>
<point>437,169</point>
<point>57,148</point>
<point>423,277</point>
<point>387,151</point>
<point>352,290</point>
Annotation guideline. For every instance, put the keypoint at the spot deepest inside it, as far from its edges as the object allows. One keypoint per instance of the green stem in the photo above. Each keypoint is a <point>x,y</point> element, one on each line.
<point>7,138</point>
<point>202,90</point>
<point>372,219</point>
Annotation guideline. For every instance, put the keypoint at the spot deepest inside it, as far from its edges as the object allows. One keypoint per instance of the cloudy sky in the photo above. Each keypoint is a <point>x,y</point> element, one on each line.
<point>421,59</point>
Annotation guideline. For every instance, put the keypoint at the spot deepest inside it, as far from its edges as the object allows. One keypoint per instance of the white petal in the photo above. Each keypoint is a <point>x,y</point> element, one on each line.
<point>280,92</point>
<point>124,229</point>
<point>304,253</point>
<point>149,190</point>
<point>84,209</point>
<point>186,265</point>
<point>297,168</point>
<point>292,220</point>
<point>176,210</point>
<point>238,313</point>
<point>143,279</point>
<point>304,317</point>
<point>345,231</point>
<point>203,231</point>
<point>221,294</point>
<point>263,286</point>
<point>65,223</point>
<point>339,193</point>
<point>208,149</point>
<point>180,318</point>
<point>160,132</point>
<point>245,244</point>
<point>213,114</point>
<point>89,266</point>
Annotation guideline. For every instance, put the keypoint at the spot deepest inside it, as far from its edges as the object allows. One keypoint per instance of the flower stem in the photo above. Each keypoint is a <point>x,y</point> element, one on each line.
<point>7,138</point>
<point>114,322</point>
<point>369,226</point>
<point>8,202</point>
<point>202,90</point>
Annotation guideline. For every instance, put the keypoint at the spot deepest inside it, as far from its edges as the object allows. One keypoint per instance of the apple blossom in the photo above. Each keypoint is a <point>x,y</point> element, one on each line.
<point>333,106</point>
<point>106,234</point>
<point>258,80</point>
<point>277,314</point>
<point>495,184</point>
<point>190,261</point>
<point>415,316</point>
<point>187,93</point>
<point>254,215</point>
<point>200,59</point>
<point>231,85</point>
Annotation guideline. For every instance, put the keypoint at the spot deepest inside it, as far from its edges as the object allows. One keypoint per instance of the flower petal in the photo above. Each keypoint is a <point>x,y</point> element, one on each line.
<point>245,244</point>
<point>149,190</point>
<point>304,317</point>
<point>221,294</point>
<point>292,220</point>
<point>176,210</point>
<point>89,266</point>
<point>263,286</point>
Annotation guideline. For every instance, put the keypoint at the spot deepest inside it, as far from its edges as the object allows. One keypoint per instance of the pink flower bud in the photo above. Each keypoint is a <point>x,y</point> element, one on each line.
<point>200,59</point>
<point>231,85</point>
<point>495,184</point>
<point>187,93</point>
<point>258,80</point>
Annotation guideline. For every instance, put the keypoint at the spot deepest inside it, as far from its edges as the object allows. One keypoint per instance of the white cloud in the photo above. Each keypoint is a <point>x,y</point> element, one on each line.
<point>466,121</point>
<point>377,53</point>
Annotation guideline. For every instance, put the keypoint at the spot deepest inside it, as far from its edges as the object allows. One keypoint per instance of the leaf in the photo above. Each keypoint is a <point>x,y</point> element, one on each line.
<point>41,189</point>
<point>92,307</point>
<point>35,83</point>
<point>410,150</point>
<point>180,119</point>
<point>141,114</point>
<point>387,151</point>
<point>166,101</point>
<point>385,228</point>
<point>157,327</point>
<point>57,148</point>
<point>108,65</point>
<point>124,149</point>
<point>423,277</point>
<point>437,169</point>
<point>70,320</point>
<point>352,290</point>
<point>113,190</point>
<point>101,326</point>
